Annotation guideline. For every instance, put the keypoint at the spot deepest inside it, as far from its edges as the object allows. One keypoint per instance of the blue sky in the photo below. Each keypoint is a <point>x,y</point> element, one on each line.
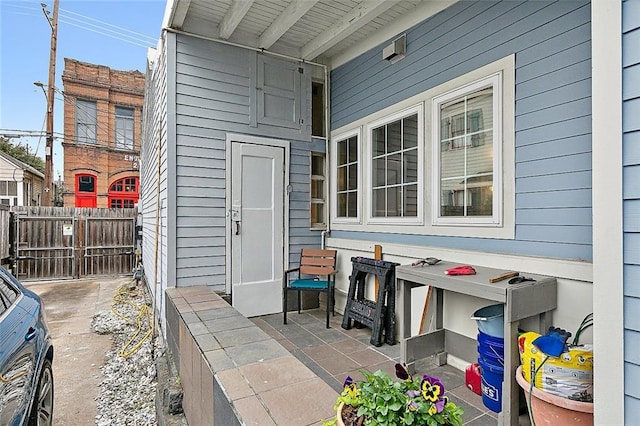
<point>104,32</point>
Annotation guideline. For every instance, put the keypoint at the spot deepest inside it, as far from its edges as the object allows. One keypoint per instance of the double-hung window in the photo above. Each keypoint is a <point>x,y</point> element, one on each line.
<point>9,192</point>
<point>347,181</point>
<point>396,145</point>
<point>466,151</point>
<point>441,162</point>
<point>318,191</point>
<point>124,128</point>
<point>86,121</point>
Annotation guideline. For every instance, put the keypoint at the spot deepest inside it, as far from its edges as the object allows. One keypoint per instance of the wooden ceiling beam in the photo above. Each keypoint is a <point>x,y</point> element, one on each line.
<point>350,23</point>
<point>179,13</point>
<point>288,17</point>
<point>233,17</point>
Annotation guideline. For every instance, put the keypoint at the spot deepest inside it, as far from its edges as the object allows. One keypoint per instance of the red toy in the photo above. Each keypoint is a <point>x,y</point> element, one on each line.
<point>461,270</point>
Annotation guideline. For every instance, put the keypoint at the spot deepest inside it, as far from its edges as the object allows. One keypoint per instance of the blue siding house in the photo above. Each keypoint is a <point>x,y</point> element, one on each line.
<point>503,134</point>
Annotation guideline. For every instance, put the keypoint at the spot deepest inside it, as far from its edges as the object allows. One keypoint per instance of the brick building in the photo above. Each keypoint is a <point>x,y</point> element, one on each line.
<point>102,134</point>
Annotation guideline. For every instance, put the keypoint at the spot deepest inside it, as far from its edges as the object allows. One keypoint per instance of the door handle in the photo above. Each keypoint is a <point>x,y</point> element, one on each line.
<point>237,227</point>
<point>31,333</point>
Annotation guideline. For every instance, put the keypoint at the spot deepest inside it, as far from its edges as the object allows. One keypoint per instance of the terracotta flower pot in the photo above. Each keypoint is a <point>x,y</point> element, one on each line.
<point>339,421</point>
<point>554,410</point>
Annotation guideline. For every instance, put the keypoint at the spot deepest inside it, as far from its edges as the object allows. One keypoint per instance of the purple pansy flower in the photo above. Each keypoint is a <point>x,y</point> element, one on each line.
<point>411,405</point>
<point>347,381</point>
<point>402,371</point>
<point>350,388</point>
<point>432,388</point>
<point>440,403</point>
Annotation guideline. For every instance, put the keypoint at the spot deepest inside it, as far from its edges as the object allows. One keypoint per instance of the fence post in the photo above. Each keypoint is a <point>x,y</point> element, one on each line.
<point>79,246</point>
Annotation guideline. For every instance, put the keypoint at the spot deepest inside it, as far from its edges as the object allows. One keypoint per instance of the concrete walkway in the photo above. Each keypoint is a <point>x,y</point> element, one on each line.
<point>78,352</point>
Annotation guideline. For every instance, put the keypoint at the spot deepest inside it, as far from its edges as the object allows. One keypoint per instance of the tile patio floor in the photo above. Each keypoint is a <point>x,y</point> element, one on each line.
<point>334,353</point>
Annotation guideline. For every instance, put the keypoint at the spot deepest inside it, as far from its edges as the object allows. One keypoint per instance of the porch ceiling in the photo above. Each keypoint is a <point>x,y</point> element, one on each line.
<point>328,31</point>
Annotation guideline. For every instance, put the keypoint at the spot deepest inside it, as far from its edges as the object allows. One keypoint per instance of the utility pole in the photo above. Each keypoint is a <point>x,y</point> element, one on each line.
<point>48,151</point>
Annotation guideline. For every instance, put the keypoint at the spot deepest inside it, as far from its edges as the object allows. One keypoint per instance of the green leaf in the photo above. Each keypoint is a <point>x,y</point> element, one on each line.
<point>395,406</point>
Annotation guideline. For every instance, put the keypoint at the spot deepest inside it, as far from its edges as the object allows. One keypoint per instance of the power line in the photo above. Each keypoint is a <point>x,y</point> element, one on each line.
<point>40,138</point>
<point>137,39</point>
<point>99,126</point>
<point>144,36</point>
<point>134,42</point>
<point>26,132</point>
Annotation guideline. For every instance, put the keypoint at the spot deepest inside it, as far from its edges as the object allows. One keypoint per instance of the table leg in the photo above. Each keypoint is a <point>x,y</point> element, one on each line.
<point>510,388</point>
<point>441,358</point>
<point>404,314</point>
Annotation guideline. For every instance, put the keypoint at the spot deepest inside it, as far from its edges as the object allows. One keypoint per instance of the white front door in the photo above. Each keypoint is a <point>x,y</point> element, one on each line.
<point>257,225</point>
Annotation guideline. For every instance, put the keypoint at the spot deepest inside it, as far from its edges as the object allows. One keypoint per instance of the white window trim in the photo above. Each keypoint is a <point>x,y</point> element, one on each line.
<point>334,177</point>
<point>505,65</point>
<point>494,81</point>
<point>318,201</point>
<point>412,220</point>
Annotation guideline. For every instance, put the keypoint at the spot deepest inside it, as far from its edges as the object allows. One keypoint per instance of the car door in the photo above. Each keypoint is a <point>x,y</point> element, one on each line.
<point>18,336</point>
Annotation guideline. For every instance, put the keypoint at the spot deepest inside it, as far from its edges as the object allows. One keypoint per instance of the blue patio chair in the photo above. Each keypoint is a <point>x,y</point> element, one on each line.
<point>316,273</point>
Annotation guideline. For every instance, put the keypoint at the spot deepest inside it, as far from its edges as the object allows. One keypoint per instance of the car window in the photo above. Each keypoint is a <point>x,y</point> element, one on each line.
<point>8,294</point>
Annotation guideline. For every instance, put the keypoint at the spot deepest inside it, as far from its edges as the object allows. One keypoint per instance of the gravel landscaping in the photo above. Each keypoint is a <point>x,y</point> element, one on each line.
<point>128,388</point>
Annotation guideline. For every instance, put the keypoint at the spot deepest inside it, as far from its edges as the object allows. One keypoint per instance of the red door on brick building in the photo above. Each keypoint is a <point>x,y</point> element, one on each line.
<point>123,193</point>
<point>86,191</point>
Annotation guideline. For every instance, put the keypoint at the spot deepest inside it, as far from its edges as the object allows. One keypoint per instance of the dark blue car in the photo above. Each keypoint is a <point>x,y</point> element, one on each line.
<point>26,355</point>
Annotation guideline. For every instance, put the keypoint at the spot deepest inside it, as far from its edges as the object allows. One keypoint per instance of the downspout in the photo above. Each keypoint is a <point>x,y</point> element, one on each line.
<point>327,138</point>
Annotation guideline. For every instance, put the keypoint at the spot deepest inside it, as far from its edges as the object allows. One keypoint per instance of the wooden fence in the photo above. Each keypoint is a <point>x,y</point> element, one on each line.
<point>63,242</point>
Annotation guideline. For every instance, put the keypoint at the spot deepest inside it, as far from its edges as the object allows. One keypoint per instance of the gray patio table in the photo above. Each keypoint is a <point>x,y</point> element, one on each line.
<point>522,300</point>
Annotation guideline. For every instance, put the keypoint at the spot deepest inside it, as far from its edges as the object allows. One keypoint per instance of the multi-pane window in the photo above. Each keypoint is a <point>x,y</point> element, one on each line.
<point>122,204</point>
<point>86,121</point>
<point>465,152</point>
<point>394,168</point>
<point>317,109</point>
<point>9,192</point>
<point>125,185</point>
<point>86,183</point>
<point>124,128</point>
<point>318,183</point>
<point>123,193</point>
<point>347,177</point>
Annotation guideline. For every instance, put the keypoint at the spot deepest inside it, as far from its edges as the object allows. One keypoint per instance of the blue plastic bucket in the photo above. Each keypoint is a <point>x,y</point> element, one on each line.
<point>491,349</point>
<point>492,377</point>
<point>486,340</point>
<point>490,320</point>
<point>491,357</point>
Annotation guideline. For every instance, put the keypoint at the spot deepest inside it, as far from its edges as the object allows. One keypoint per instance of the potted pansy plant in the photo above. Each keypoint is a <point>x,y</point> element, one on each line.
<point>379,400</point>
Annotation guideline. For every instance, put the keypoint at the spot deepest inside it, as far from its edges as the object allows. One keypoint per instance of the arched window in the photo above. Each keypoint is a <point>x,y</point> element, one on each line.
<point>86,191</point>
<point>123,193</point>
